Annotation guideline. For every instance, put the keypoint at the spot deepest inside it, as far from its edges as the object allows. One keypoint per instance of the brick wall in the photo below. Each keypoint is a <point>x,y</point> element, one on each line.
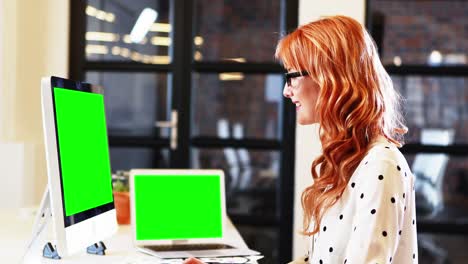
<point>413,29</point>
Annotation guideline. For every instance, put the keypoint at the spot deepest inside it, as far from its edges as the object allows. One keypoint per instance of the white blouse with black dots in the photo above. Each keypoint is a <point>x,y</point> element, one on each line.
<point>375,220</point>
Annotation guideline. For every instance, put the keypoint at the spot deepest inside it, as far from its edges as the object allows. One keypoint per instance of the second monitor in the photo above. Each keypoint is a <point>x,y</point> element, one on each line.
<point>78,164</point>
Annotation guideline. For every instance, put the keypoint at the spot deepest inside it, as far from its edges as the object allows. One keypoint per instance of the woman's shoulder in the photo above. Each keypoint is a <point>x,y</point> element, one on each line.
<point>383,151</point>
<point>383,161</point>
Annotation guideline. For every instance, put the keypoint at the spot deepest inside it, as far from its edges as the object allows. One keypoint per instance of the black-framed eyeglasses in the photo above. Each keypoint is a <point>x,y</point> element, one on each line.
<point>291,75</point>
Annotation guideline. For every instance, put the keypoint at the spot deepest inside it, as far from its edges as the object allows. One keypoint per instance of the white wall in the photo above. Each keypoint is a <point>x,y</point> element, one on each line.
<point>307,142</point>
<point>1,64</point>
<point>34,43</point>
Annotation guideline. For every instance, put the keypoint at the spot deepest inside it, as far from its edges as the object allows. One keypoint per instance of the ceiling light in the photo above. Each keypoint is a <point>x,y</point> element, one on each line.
<point>161,60</point>
<point>435,58</point>
<point>127,39</point>
<point>97,49</point>
<point>124,52</point>
<point>91,11</point>
<point>161,27</point>
<point>143,24</point>
<point>198,40</point>
<point>161,41</point>
<point>102,36</point>
<point>236,59</point>
<point>146,59</point>
<point>101,15</point>
<point>231,76</point>
<point>110,17</point>
<point>197,56</point>
<point>136,56</point>
<point>397,61</point>
<point>115,50</point>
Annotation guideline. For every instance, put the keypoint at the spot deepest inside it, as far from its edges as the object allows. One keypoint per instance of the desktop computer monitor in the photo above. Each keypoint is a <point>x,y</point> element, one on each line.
<point>78,164</point>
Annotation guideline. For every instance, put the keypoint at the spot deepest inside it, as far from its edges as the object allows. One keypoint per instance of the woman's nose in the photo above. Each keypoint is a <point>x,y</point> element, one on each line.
<point>287,91</point>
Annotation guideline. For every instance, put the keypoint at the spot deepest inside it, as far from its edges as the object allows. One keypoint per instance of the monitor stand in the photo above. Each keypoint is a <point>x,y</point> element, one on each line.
<point>42,221</point>
<point>97,248</point>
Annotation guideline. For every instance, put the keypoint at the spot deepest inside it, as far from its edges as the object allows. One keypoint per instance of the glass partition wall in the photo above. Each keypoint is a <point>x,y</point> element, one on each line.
<point>200,89</point>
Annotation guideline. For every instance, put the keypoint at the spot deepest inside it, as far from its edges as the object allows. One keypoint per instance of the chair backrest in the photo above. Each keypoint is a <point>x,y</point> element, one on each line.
<point>429,169</point>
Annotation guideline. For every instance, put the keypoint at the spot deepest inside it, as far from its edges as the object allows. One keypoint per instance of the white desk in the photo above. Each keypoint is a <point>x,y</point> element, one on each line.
<point>15,233</point>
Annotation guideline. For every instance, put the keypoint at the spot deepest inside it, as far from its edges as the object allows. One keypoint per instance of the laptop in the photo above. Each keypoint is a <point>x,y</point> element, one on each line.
<point>180,214</point>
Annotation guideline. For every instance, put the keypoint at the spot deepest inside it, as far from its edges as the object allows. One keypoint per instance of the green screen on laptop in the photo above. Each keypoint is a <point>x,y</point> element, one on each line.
<point>83,150</point>
<point>177,207</point>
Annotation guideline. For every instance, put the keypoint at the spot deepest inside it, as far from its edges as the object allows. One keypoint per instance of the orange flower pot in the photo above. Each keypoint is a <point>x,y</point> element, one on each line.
<point>122,206</point>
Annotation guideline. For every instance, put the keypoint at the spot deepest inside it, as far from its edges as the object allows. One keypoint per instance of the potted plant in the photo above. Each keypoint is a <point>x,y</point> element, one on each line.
<point>121,197</point>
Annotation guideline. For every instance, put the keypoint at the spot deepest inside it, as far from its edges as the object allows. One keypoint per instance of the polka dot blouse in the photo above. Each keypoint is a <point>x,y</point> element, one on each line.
<point>375,220</point>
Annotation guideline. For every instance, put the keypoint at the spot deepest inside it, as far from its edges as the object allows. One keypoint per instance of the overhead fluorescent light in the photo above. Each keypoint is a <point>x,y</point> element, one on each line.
<point>102,36</point>
<point>127,53</point>
<point>231,76</point>
<point>161,41</point>
<point>161,27</point>
<point>124,52</point>
<point>136,56</point>
<point>127,39</point>
<point>146,59</point>
<point>242,60</point>
<point>116,50</point>
<point>143,24</point>
<point>97,49</point>
<point>100,14</point>
<point>110,17</point>
<point>91,11</point>
<point>161,60</point>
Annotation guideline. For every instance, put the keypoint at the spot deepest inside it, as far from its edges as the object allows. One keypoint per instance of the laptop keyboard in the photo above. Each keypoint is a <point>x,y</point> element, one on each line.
<point>188,247</point>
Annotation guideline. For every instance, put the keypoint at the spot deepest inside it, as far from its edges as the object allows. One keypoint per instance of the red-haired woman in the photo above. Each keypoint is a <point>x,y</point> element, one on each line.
<point>361,205</point>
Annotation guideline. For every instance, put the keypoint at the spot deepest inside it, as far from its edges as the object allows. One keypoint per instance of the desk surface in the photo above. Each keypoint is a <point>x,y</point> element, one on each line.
<point>16,229</point>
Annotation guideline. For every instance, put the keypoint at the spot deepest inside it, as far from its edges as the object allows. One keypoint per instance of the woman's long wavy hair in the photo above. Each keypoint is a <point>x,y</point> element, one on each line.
<point>356,104</point>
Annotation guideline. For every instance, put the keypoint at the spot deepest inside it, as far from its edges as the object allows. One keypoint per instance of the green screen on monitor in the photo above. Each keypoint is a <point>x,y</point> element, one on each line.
<point>177,207</point>
<point>83,148</point>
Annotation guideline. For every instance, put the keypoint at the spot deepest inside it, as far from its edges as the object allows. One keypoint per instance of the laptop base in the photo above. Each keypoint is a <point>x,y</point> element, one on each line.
<point>212,253</point>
